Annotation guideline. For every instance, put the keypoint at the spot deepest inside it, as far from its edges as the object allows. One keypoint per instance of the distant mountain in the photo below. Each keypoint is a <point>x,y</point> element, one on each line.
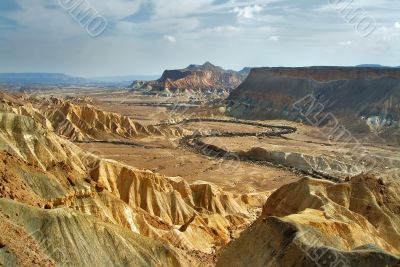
<point>194,78</point>
<point>63,79</point>
<point>40,78</point>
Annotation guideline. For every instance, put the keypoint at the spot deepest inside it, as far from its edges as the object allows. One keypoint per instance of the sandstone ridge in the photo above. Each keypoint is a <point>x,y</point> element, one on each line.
<point>79,121</point>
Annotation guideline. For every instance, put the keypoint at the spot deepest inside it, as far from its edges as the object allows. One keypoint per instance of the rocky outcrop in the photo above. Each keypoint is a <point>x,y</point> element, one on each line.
<point>83,122</point>
<point>363,99</point>
<point>79,121</point>
<point>319,223</point>
<point>195,78</point>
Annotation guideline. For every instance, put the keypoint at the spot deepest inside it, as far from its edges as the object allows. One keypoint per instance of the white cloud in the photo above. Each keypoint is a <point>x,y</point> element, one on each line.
<point>169,38</point>
<point>178,8</point>
<point>34,17</point>
<point>247,12</point>
<point>346,43</point>
<point>397,25</point>
<point>158,27</point>
<point>117,9</point>
<point>274,38</point>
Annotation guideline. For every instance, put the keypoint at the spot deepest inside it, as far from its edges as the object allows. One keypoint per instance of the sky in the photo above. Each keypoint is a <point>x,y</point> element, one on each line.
<point>147,36</point>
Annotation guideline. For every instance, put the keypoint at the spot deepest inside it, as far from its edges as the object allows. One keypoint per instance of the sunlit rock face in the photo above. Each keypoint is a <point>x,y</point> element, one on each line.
<point>312,222</point>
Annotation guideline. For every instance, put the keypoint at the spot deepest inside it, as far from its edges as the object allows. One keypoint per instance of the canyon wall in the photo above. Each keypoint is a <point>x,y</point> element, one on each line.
<point>362,99</point>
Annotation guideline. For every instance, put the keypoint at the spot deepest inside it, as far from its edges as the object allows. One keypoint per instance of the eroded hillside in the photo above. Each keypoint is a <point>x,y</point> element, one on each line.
<point>55,180</point>
<point>80,121</point>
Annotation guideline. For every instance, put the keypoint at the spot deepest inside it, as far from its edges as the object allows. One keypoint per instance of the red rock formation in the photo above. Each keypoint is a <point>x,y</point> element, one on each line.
<point>194,78</point>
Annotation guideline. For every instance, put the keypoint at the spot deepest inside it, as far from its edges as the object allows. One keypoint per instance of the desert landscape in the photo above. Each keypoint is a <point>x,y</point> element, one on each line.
<point>179,179</point>
<point>206,133</point>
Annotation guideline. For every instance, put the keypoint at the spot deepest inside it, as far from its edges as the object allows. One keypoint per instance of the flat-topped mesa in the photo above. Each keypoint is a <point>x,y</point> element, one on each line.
<point>194,78</point>
<point>363,99</point>
<point>328,73</point>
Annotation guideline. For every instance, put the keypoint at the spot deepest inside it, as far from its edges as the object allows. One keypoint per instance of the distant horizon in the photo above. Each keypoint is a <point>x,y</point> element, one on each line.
<point>160,73</point>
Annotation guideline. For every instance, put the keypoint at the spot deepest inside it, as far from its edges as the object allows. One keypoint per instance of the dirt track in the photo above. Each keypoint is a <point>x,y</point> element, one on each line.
<point>194,143</point>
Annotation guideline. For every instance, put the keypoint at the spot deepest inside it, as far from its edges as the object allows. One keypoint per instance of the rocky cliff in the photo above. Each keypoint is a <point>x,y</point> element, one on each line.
<point>194,78</point>
<point>317,223</point>
<point>362,99</point>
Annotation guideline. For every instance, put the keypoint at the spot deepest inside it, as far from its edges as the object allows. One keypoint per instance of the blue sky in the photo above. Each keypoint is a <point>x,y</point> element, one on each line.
<point>148,36</point>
